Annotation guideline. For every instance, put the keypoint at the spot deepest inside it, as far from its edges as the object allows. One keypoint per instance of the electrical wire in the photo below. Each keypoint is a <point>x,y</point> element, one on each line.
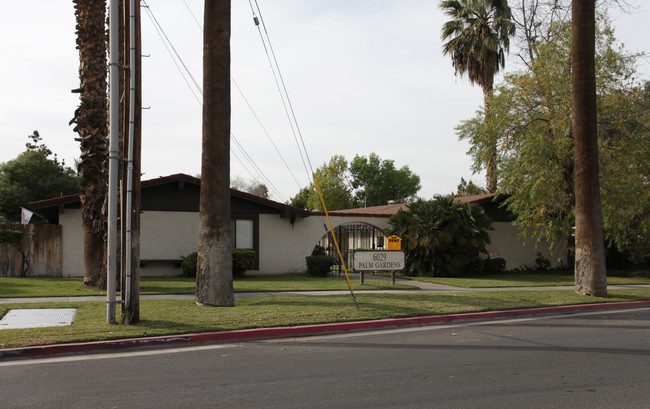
<point>176,58</point>
<point>280,83</point>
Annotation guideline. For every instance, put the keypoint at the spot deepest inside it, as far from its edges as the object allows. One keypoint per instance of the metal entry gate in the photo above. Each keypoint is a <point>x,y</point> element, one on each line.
<point>352,236</point>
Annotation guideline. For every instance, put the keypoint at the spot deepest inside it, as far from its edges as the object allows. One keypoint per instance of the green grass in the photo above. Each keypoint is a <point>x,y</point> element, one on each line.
<point>182,317</point>
<point>524,279</point>
<point>11,287</point>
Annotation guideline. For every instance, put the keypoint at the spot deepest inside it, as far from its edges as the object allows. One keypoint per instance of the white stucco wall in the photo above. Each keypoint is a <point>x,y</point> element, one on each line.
<point>283,247</point>
<point>518,252</point>
<point>167,236</point>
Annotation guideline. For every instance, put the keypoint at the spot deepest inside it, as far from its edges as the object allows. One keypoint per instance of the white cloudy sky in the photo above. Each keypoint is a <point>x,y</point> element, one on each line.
<point>363,76</point>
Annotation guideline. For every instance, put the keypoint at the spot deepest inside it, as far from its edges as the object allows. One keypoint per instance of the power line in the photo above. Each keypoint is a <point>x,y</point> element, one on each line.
<point>273,62</point>
<point>176,58</point>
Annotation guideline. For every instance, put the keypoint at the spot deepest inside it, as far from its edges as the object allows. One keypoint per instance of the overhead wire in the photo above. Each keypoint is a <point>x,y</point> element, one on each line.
<point>280,83</point>
<point>176,58</point>
<point>250,107</point>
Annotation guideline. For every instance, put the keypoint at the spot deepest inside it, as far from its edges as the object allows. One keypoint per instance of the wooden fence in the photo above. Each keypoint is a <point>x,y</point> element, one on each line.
<point>42,246</point>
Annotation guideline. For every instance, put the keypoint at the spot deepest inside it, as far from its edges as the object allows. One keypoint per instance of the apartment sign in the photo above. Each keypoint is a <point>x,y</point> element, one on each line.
<point>377,260</point>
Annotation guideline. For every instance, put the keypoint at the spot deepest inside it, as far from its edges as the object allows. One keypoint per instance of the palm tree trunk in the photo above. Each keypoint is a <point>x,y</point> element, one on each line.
<point>590,271</point>
<point>91,119</point>
<point>214,264</point>
<point>491,164</point>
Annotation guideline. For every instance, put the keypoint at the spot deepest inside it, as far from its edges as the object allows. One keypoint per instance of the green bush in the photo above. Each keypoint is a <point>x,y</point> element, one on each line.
<point>442,237</point>
<point>242,260</point>
<point>319,265</point>
<point>494,265</point>
<point>189,264</point>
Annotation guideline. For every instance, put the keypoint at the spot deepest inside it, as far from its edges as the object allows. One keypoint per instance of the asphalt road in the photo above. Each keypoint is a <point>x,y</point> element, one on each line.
<point>582,360</point>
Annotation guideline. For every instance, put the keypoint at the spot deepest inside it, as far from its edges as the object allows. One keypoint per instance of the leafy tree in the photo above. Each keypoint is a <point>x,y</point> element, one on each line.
<point>477,37</point>
<point>33,176</point>
<point>253,187</point>
<point>531,116</point>
<point>332,179</point>
<point>301,199</point>
<point>442,237</point>
<point>377,181</point>
<point>466,188</point>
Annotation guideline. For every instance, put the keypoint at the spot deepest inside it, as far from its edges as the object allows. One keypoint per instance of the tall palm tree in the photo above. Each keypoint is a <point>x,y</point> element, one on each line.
<point>590,271</point>
<point>214,263</point>
<point>477,37</point>
<point>91,120</point>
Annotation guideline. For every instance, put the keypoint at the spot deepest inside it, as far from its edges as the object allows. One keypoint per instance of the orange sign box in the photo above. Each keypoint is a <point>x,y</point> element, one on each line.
<point>394,243</point>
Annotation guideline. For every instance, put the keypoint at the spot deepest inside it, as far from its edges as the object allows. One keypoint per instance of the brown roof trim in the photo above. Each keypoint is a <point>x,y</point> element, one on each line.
<point>39,204</point>
<point>170,179</point>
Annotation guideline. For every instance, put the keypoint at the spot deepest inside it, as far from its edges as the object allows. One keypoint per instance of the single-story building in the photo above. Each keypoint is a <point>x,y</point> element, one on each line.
<point>281,235</point>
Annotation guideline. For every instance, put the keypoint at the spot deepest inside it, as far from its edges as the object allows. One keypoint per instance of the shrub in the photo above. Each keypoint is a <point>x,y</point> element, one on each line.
<point>494,265</point>
<point>541,263</point>
<point>319,265</point>
<point>442,237</point>
<point>242,260</point>
<point>318,251</point>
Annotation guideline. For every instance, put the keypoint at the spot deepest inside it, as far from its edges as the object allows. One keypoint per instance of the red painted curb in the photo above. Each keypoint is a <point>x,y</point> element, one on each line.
<point>299,331</point>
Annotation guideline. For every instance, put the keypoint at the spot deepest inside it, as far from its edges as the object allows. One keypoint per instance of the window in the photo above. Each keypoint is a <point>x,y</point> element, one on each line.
<point>243,233</point>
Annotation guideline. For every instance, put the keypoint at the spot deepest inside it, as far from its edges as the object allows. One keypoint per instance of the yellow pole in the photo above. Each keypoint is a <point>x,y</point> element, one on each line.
<point>345,269</point>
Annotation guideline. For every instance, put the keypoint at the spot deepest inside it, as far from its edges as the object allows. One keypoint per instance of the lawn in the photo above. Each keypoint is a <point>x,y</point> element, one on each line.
<point>525,279</point>
<point>11,287</point>
<point>180,317</point>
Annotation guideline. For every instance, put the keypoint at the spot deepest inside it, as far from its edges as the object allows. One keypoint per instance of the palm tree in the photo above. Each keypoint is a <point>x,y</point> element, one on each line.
<point>590,270</point>
<point>214,264</point>
<point>91,120</point>
<point>477,37</point>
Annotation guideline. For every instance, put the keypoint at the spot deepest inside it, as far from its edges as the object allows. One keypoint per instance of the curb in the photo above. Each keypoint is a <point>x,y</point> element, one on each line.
<point>298,331</point>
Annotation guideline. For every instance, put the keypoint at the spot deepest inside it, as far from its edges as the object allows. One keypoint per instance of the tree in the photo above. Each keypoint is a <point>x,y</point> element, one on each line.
<point>465,188</point>
<point>33,176</point>
<point>532,114</point>
<point>442,237</point>
<point>477,38</point>
<point>253,187</point>
<point>590,270</point>
<point>377,181</point>
<point>332,179</point>
<point>214,264</point>
<point>301,199</point>
<point>91,120</point>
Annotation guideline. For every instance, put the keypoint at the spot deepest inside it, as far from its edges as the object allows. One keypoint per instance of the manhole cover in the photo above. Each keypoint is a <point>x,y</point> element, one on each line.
<point>37,318</point>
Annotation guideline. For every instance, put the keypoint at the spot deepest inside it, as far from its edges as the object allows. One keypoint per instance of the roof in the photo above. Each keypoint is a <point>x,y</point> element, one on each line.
<point>176,178</point>
<point>374,211</point>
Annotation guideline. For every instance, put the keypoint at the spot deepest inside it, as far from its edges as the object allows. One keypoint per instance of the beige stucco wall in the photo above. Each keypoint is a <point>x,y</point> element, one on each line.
<point>519,252</point>
<point>72,243</point>
<point>283,247</point>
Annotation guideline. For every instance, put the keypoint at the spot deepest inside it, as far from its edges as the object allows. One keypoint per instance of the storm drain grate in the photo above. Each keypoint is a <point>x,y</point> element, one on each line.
<point>38,318</point>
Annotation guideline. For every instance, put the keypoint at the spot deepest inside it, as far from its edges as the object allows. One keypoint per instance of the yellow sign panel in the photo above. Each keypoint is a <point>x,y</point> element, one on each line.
<point>394,243</point>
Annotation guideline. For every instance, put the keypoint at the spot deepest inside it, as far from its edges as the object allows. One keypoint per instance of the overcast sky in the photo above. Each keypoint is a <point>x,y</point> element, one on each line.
<point>363,76</point>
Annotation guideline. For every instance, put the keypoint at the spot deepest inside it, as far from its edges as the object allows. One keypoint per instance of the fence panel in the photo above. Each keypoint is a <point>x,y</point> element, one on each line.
<point>43,249</point>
